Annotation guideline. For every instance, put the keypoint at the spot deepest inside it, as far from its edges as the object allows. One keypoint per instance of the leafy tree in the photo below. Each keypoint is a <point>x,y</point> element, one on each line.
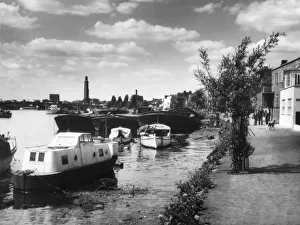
<point>125,101</point>
<point>112,102</point>
<point>119,102</point>
<point>198,99</point>
<point>239,78</point>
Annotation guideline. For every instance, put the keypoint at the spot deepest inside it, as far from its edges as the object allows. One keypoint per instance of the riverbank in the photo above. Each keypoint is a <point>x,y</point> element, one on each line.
<point>269,193</point>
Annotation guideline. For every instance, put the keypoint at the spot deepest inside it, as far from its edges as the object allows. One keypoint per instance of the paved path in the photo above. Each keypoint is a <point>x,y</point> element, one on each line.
<point>270,193</point>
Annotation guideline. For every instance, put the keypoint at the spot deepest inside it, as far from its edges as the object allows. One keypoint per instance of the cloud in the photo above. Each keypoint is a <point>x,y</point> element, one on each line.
<point>11,16</point>
<point>59,8</point>
<point>127,7</point>
<point>155,74</point>
<point>68,48</point>
<point>104,64</point>
<point>133,29</point>
<point>270,15</point>
<point>209,8</point>
<point>235,9</point>
<point>215,49</point>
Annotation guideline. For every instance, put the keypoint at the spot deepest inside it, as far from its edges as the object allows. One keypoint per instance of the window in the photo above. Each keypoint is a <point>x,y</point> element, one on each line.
<point>101,152</point>
<point>289,106</point>
<point>287,80</point>
<point>276,78</point>
<point>283,106</point>
<point>297,79</point>
<point>64,159</point>
<point>32,156</point>
<point>41,157</point>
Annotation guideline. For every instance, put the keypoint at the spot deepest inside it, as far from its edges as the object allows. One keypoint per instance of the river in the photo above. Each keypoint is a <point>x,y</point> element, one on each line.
<point>144,169</point>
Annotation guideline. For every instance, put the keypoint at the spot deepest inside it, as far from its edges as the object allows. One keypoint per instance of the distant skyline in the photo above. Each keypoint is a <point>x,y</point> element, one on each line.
<point>49,46</point>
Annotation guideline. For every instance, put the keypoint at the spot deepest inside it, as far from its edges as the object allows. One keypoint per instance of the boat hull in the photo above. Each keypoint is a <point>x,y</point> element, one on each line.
<point>178,123</point>
<point>5,164</point>
<point>155,142</point>
<point>23,182</point>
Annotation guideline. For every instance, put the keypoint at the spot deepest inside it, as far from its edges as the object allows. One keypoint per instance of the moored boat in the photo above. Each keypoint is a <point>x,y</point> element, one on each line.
<point>8,147</point>
<point>5,113</point>
<point>122,135</point>
<point>52,109</point>
<point>180,121</point>
<point>71,157</point>
<point>155,135</point>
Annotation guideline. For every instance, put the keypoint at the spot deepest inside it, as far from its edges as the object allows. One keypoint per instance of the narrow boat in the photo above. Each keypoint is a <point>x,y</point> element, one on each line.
<point>8,147</point>
<point>155,135</point>
<point>182,121</point>
<point>71,157</point>
<point>5,113</point>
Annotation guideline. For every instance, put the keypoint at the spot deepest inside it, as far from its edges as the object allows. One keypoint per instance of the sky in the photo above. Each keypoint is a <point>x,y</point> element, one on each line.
<point>49,46</point>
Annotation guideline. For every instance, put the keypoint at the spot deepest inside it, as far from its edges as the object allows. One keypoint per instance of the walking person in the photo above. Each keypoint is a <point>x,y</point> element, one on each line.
<point>255,116</point>
<point>260,114</point>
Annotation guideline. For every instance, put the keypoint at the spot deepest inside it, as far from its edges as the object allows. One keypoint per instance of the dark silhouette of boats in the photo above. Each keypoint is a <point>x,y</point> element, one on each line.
<point>5,113</point>
<point>181,121</point>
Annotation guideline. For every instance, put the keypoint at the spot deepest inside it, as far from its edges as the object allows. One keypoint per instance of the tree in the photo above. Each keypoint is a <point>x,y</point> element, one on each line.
<point>198,99</point>
<point>124,103</point>
<point>112,102</point>
<point>119,102</point>
<point>239,78</point>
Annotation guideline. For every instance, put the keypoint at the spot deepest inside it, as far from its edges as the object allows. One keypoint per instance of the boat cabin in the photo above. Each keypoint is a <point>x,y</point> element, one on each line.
<point>68,150</point>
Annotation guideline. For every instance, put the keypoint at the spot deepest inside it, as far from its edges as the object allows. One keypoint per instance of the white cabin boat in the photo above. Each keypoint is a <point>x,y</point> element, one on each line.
<point>70,157</point>
<point>8,147</point>
<point>155,135</point>
<point>121,135</point>
<point>52,109</point>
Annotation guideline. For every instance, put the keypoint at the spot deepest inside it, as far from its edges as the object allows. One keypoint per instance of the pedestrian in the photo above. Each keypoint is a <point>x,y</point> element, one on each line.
<point>267,115</point>
<point>260,114</point>
<point>255,114</point>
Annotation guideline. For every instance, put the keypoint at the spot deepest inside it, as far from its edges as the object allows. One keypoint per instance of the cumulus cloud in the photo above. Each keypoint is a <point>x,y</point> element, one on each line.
<point>59,7</point>
<point>68,48</point>
<point>10,16</point>
<point>270,15</point>
<point>126,7</point>
<point>103,64</point>
<point>215,49</point>
<point>209,8</point>
<point>133,29</point>
<point>235,9</point>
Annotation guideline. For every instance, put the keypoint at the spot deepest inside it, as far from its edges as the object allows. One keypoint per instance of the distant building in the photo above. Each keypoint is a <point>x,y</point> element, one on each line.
<point>86,97</point>
<point>54,98</point>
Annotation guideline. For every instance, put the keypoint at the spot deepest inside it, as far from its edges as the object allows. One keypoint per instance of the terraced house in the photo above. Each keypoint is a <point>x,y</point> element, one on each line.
<point>286,89</point>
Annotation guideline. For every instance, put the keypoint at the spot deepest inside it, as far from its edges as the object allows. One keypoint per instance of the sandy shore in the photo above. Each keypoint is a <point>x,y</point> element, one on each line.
<point>270,193</point>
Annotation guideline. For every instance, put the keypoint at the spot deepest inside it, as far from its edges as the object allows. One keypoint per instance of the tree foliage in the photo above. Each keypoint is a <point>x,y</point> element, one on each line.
<point>239,79</point>
<point>198,99</point>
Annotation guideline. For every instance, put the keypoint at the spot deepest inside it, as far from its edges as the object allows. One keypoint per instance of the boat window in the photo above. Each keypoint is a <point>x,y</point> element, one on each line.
<point>41,157</point>
<point>87,138</point>
<point>101,152</point>
<point>64,159</point>
<point>161,132</point>
<point>65,141</point>
<point>32,156</point>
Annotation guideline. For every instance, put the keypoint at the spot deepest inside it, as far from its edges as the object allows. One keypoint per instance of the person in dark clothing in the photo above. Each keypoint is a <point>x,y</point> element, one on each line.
<point>260,114</point>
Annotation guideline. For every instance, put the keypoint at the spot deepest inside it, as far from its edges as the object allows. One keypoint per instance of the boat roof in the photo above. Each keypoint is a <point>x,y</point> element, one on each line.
<point>74,123</point>
<point>159,126</point>
<point>121,128</point>
<point>70,134</point>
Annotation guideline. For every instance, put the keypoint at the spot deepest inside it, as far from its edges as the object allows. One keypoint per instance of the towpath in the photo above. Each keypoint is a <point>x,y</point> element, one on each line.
<point>270,193</point>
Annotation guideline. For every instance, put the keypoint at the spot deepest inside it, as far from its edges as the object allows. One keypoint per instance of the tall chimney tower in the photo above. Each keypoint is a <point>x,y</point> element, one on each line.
<point>86,90</point>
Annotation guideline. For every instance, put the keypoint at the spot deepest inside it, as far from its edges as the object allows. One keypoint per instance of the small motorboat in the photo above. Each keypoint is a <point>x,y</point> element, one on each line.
<point>8,147</point>
<point>155,135</point>
<point>71,157</point>
<point>52,109</point>
<point>121,135</point>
